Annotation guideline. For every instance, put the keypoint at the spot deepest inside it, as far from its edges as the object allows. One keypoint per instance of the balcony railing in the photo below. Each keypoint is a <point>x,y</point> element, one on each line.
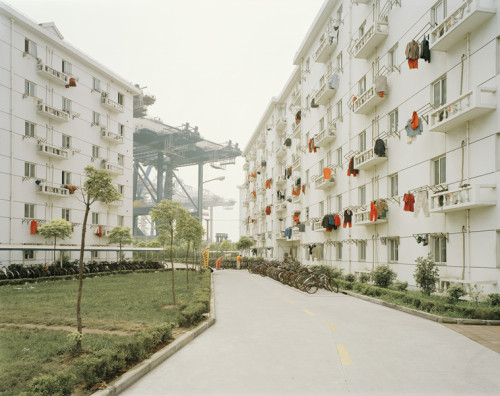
<point>53,74</point>
<point>261,191</point>
<point>53,151</point>
<point>297,129</point>
<point>325,137</point>
<point>368,159</point>
<point>53,190</point>
<point>113,169</point>
<point>372,38</point>
<point>363,218</point>
<point>463,198</point>
<point>280,207</point>
<point>111,136</point>
<point>296,162</point>
<point>321,183</point>
<point>318,227</point>
<point>327,44</point>
<point>280,180</point>
<point>467,18</point>
<point>111,104</point>
<point>281,123</point>
<point>52,112</point>
<point>279,235</point>
<point>367,101</point>
<point>324,93</point>
<point>296,93</point>
<point>281,152</point>
<point>467,107</point>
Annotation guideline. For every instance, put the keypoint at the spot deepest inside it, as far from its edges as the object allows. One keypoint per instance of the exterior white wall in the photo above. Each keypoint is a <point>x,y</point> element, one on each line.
<point>409,90</point>
<point>16,149</point>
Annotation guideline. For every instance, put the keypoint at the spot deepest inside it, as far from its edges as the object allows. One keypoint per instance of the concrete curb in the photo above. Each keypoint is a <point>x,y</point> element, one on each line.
<point>425,315</point>
<point>141,369</point>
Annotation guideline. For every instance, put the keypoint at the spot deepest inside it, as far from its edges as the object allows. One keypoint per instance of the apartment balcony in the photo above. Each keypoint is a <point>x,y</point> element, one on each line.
<point>327,44</point>
<point>118,202</point>
<point>463,198</point>
<point>280,207</point>
<point>297,130</point>
<point>252,198</point>
<point>117,170</point>
<point>323,184</point>
<point>281,124</point>
<point>52,74</point>
<point>325,137</point>
<point>324,93</point>
<point>318,227</point>
<point>111,104</point>
<point>467,107</point>
<point>280,181</point>
<point>367,101</point>
<point>296,162</point>
<point>372,39</point>
<point>52,189</point>
<point>111,136</point>
<point>280,236</point>
<point>296,93</point>
<point>52,112</point>
<point>368,159</point>
<point>281,152</point>
<point>261,191</point>
<point>53,151</point>
<point>297,199</point>
<point>363,218</point>
<point>469,17</point>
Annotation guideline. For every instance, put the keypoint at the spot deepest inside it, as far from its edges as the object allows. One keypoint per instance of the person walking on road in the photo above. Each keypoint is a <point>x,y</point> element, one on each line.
<point>218,263</point>
<point>238,261</point>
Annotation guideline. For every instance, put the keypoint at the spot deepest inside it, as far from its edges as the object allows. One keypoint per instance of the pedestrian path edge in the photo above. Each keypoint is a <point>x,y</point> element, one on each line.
<point>133,375</point>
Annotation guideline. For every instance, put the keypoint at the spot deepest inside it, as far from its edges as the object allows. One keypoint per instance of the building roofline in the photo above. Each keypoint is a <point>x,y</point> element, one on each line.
<point>56,39</point>
<point>265,116</point>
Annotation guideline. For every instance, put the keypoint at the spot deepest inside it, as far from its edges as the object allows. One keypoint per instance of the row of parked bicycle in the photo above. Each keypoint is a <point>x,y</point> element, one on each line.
<point>295,275</point>
<point>18,271</point>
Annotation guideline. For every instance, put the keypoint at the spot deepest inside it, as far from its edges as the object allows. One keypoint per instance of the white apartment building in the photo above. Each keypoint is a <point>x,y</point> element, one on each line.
<point>354,87</point>
<point>60,111</point>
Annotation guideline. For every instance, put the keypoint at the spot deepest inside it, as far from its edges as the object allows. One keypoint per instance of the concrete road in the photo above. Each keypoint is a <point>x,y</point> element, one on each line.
<point>270,339</point>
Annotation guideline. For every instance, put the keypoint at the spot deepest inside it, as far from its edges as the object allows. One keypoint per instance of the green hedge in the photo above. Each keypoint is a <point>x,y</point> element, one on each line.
<point>190,315</point>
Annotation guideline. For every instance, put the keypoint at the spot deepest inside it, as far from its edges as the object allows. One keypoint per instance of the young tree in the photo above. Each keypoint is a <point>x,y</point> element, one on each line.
<point>426,274</point>
<point>56,228</point>
<point>97,187</point>
<point>166,215</point>
<point>225,245</point>
<point>120,235</point>
<point>191,231</point>
<point>244,243</point>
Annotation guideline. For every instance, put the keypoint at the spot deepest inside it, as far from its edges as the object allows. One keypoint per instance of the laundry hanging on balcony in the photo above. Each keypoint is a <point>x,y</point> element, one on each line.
<point>413,128</point>
<point>412,53</point>
<point>263,164</point>
<point>296,217</point>
<point>268,210</point>
<point>296,191</point>
<point>269,182</point>
<point>379,148</point>
<point>288,233</point>
<point>313,104</point>
<point>334,81</point>
<point>72,82</point>
<point>381,85</point>
<point>298,117</point>
<point>347,218</point>
<point>303,189</point>
<point>327,173</point>
<point>71,188</point>
<point>312,146</point>
<point>288,142</point>
<point>280,194</point>
<point>381,207</point>
<point>409,201</point>
<point>421,202</point>
<point>288,172</point>
<point>350,169</point>
<point>99,232</point>
<point>33,226</point>
<point>302,227</point>
<point>425,52</point>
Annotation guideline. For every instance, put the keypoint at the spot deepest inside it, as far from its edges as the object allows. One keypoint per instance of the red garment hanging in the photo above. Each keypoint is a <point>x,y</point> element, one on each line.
<point>99,232</point>
<point>373,212</point>
<point>409,201</point>
<point>327,172</point>
<point>33,225</point>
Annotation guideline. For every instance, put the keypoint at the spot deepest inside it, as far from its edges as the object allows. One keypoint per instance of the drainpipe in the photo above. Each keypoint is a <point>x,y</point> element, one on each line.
<point>350,123</point>
<point>11,179</point>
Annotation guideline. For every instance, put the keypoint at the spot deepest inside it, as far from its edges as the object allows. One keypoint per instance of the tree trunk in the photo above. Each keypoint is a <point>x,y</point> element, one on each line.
<point>120,258</point>
<point>55,264</point>
<point>172,262</point>
<point>187,266</point>
<point>80,279</point>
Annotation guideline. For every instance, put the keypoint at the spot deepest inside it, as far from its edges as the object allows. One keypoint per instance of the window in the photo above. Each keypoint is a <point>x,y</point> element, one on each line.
<point>66,105</point>
<point>94,254</point>
<point>339,203</point>
<point>308,64</point>
<point>95,218</point>
<point>340,62</point>
<point>65,214</point>
<point>322,124</point>
<point>439,12</point>
<point>339,110</point>
<point>362,85</point>
<point>440,170</point>
<point>66,67</point>
<point>321,208</point>
<point>120,98</point>
<point>29,88</point>
<point>29,211</point>
<point>339,252</point>
<point>439,250</point>
<point>29,129</point>
<point>121,159</point>
<point>394,185</point>
<point>393,58</point>
<point>121,188</point>
<point>439,92</point>
<point>96,118</point>
<point>393,250</point>
<point>120,220</point>
<point>362,195</point>
<point>96,84</point>
<point>121,129</point>
<point>28,254</point>
<point>95,151</point>
<point>362,251</point>
<point>29,47</point>
<point>393,121</point>
<point>321,166</point>
<point>66,177</point>
<point>29,169</point>
<point>66,141</point>
<point>339,156</point>
<point>361,30</point>
<point>306,178</point>
<point>362,141</point>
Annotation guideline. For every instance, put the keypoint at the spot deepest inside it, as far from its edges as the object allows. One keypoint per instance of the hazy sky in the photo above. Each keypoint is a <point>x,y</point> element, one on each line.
<point>212,63</point>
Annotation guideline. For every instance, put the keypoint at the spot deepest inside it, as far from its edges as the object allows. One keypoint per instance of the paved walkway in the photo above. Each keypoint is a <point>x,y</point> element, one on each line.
<point>270,339</point>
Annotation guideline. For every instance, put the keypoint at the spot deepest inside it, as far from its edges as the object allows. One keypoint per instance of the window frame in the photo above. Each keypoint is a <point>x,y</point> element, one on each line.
<point>393,250</point>
<point>393,180</point>
<point>65,177</point>
<point>362,141</point>
<point>66,214</point>
<point>441,84</point>
<point>66,67</point>
<point>362,85</point>
<point>338,253</point>
<point>29,254</point>
<point>96,118</point>
<point>437,168</point>
<point>65,141</point>
<point>120,98</point>
<point>362,195</point>
<point>29,211</point>
<point>95,218</point>
<point>393,118</point>
<point>362,251</point>
<point>30,47</point>
<point>96,84</point>
<point>438,247</point>
<point>66,105</point>
<point>29,169</point>
<point>95,151</point>
<point>29,129</point>
<point>29,88</point>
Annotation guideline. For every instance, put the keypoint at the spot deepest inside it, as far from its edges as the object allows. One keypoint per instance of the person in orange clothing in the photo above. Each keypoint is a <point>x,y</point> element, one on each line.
<point>218,263</point>
<point>238,261</point>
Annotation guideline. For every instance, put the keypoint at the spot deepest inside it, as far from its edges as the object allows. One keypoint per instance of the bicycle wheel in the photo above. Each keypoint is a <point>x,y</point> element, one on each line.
<point>334,286</point>
<point>311,285</point>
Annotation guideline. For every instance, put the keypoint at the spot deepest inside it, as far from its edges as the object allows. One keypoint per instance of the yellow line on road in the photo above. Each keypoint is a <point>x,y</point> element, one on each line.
<point>291,301</point>
<point>331,326</point>
<point>308,312</point>
<point>345,359</point>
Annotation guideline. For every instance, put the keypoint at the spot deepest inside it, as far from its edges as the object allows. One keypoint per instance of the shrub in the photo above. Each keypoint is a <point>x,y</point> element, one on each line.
<point>454,293</point>
<point>426,275</point>
<point>383,276</point>
<point>100,366</point>
<point>364,277</point>
<point>191,315</point>
<point>401,286</point>
<point>494,299</point>
<point>61,384</point>
<point>350,277</point>
<point>476,293</point>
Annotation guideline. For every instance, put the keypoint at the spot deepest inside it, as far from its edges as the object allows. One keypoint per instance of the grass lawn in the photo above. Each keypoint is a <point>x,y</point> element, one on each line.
<point>121,302</point>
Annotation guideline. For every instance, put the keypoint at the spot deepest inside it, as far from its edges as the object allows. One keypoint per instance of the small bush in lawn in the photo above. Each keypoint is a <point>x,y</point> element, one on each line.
<point>401,286</point>
<point>476,294</point>
<point>364,277</point>
<point>350,277</point>
<point>383,276</point>
<point>61,384</point>
<point>494,299</point>
<point>454,293</point>
<point>426,275</point>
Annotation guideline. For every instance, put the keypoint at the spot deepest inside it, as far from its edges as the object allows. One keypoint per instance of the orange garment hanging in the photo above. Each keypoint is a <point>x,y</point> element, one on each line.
<point>413,63</point>
<point>33,225</point>
<point>327,172</point>
<point>414,121</point>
